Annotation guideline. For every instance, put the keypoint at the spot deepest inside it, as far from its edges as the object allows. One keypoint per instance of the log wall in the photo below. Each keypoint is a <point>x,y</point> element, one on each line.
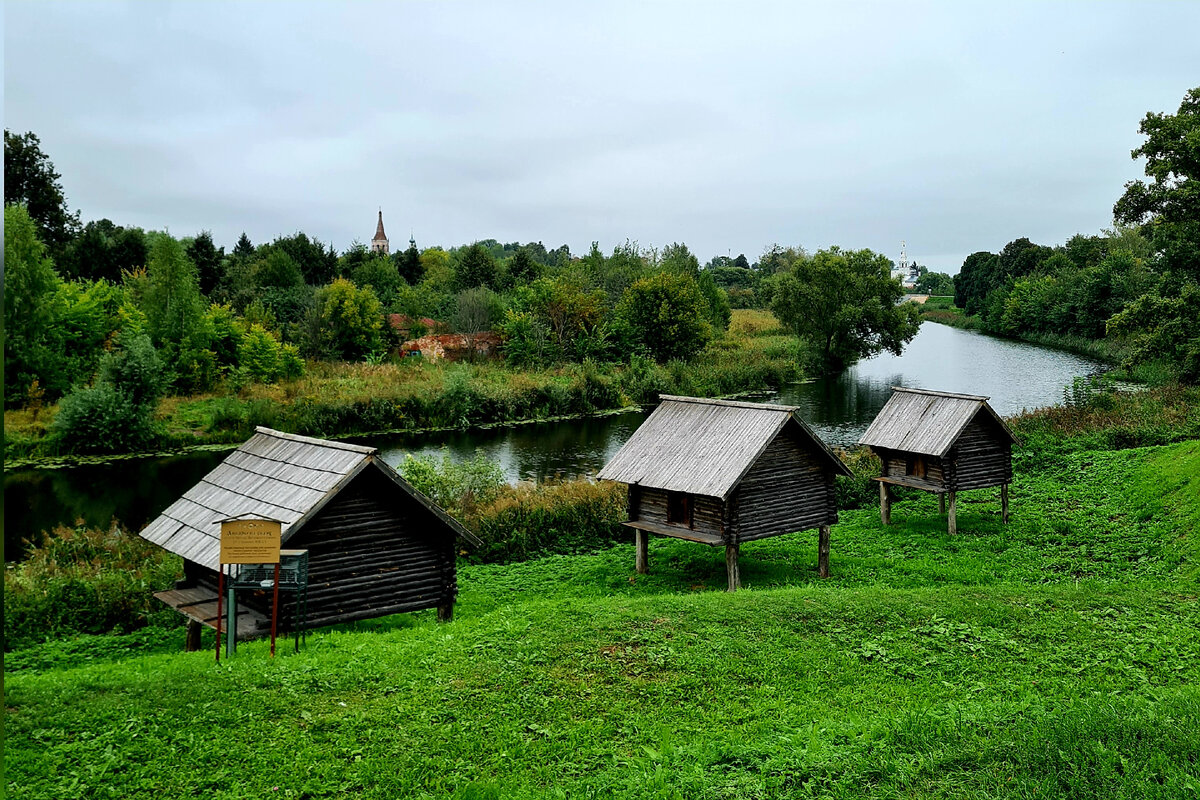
<point>981,456</point>
<point>372,551</point>
<point>651,506</point>
<point>789,488</point>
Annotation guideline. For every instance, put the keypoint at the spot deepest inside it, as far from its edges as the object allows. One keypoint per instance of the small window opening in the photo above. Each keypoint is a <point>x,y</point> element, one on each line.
<point>679,508</point>
<point>916,466</point>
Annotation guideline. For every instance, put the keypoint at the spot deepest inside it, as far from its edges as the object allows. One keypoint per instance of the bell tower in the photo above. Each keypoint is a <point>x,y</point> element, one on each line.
<point>380,243</point>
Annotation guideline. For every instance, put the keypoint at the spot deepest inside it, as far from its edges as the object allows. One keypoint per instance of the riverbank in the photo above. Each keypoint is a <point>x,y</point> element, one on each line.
<point>1053,656</point>
<point>1105,350</point>
<point>355,399</point>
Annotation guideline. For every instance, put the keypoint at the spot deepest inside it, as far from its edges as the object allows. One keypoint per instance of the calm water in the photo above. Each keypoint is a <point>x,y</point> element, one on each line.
<point>1013,374</point>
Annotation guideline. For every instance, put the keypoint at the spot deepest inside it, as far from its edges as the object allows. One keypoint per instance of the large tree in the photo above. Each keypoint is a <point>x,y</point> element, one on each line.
<point>668,314</point>
<point>30,180</point>
<point>1168,206</point>
<point>207,260</point>
<point>1164,324</point>
<point>844,302</point>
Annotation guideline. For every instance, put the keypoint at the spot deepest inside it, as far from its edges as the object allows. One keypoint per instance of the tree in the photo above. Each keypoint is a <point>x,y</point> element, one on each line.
<point>475,267</point>
<point>974,281</point>
<point>408,264</point>
<point>30,180</point>
<point>317,265</point>
<point>351,320</point>
<point>244,248</point>
<point>380,274</point>
<point>1164,324</point>
<point>522,268</point>
<point>104,251</point>
<point>173,308</point>
<point>207,260</point>
<point>1168,207</point>
<point>740,262</point>
<point>676,257</point>
<point>277,270</point>
<point>844,302</point>
<point>29,284</point>
<point>667,313</point>
<point>935,283</point>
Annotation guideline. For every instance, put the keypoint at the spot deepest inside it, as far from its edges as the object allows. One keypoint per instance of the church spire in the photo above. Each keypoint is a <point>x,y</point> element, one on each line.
<point>380,243</point>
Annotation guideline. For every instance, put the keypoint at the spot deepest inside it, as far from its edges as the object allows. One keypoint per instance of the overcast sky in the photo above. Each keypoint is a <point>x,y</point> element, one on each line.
<point>729,126</point>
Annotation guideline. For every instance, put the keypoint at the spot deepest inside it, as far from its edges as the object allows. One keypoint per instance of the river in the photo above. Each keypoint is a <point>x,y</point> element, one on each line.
<point>1014,374</point>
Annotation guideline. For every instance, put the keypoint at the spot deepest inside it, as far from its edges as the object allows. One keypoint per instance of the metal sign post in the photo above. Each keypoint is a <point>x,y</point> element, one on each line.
<point>247,541</point>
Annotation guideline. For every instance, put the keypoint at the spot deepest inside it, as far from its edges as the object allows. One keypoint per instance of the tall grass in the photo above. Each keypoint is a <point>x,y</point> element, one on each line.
<point>86,580</point>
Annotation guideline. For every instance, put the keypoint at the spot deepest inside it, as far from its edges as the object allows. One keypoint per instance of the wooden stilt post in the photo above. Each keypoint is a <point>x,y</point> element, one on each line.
<point>1004,503</point>
<point>941,502</point>
<point>885,504</point>
<point>192,643</point>
<point>220,600</point>
<point>445,613</point>
<point>953,524</point>
<point>731,567</point>
<point>823,551</point>
<point>641,539</point>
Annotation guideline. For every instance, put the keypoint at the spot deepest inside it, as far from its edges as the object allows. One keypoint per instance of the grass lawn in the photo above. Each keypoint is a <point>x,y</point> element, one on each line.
<point>1057,656</point>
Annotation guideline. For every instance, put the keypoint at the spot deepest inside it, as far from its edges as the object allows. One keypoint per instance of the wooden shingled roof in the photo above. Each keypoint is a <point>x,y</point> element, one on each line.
<point>926,422</point>
<point>704,447</point>
<point>277,476</point>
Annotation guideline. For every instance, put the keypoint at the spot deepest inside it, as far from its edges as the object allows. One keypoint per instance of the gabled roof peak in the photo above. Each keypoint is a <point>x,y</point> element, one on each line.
<point>379,234</point>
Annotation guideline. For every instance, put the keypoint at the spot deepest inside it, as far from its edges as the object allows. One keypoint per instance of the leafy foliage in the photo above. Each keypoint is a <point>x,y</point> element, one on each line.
<point>666,312</point>
<point>845,304</point>
<point>31,181</point>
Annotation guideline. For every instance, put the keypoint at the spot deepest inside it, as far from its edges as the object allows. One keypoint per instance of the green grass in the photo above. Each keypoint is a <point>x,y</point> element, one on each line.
<point>1056,656</point>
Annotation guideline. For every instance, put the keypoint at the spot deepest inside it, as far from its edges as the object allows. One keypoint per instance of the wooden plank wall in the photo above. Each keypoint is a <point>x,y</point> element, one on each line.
<point>789,488</point>
<point>706,511</point>
<point>981,456</point>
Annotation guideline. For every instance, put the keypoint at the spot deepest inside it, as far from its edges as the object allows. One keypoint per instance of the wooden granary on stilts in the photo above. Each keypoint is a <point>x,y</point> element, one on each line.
<point>943,443</point>
<point>376,546</point>
<point>724,473</point>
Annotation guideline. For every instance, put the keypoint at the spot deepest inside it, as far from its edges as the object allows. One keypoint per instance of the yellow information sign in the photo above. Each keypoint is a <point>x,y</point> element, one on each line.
<point>250,541</point>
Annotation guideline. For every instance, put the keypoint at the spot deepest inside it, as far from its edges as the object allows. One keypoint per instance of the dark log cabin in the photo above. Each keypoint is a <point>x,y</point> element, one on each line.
<point>724,473</point>
<point>376,545</point>
<point>943,443</point>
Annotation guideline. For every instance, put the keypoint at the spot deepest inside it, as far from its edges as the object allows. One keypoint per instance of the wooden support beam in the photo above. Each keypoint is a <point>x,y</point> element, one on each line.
<point>192,643</point>
<point>885,504</point>
<point>953,523</point>
<point>1004,503</point>
<point>731,567</point>
<point>823,551</point>
<point>642,542</point>
<point>445,613</point>
<point>941,504</point>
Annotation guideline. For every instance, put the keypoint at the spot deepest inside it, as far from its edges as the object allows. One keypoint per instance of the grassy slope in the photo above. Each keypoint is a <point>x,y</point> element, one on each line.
<point>1056,656</point>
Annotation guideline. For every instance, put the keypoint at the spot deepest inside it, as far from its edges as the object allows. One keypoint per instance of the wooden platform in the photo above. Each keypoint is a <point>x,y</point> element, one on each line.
<point>200,603</point>
<point>677,532</point>
<point>914,483</point>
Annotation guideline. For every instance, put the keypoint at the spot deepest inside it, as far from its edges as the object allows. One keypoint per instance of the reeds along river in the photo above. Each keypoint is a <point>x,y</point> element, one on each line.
<point>1015,375</point>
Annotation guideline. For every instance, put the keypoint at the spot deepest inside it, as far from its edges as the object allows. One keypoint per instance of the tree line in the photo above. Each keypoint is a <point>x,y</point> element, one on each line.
<point>110,316</point>
<point>1138,282</point>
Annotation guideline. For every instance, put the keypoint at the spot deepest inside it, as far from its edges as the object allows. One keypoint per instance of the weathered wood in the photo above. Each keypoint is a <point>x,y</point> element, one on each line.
<point>192,643</point>
<point>952,523</point>
<point>885,504</point>
<point>732,571</point>
<point>941,503</point>
<point>445,612</point>
<point>823,552</point>
<point>1004,503</point>
<point>642,545</point>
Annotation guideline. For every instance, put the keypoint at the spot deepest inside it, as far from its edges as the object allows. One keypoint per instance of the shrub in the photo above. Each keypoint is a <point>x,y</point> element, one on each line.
<point>100,419</point>
<point>85,580</point>
<point>456,487</point>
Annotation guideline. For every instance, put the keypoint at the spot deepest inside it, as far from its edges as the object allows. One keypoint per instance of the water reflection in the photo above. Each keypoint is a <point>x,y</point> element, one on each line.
<point>1013,374</point>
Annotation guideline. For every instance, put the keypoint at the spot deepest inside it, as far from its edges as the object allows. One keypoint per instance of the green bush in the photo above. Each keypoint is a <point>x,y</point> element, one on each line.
<point>100,419</point>
<point>456,487</point>
<point>85,580</point>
